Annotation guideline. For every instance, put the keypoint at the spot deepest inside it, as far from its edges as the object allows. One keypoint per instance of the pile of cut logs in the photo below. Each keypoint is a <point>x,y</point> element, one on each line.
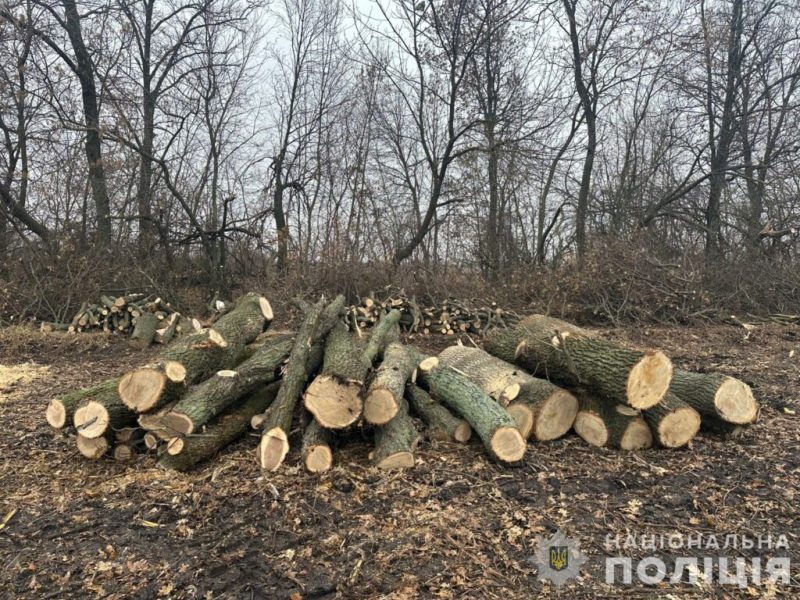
<point>450,317</point>
<point>534,381</point>
<point>146,319</point>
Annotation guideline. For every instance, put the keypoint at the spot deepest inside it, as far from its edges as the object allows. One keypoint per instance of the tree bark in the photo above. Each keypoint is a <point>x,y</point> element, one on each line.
<point>543,410</point>
<point>604,424</point>
<point>718,398</point>
<point>673,422</point>
<point>395,442</point>
<point>442,424</point>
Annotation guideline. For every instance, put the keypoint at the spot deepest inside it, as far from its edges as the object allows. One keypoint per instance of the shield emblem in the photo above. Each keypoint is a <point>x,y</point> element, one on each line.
<point>559,557</point>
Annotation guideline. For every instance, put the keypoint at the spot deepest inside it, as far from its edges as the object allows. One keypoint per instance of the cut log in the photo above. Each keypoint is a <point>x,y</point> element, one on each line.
<point>144,331</point>
<point>386,390</point>
<point>165,334</point>
<point>124,452</point>
<point>316,451</point>
<point>673,422</point>
<point>603,424</point>
<point>500,379</point>
<point>543,410</point>
<point>61,411</point>
<point>442,424</point>
<point>128,435</point>
<point>557,350</point>
<point>395,441</point>
<point>103,411</point>
<point>92,448</point>
<point>198,355</point>
<point>151,440</point>
<point>334,397</point>
<point>278,418</point>
<point>226,428</point>
<point>718,398</point>
<point>208,399</point>
<point>385,332</point>
<point>496,428</point>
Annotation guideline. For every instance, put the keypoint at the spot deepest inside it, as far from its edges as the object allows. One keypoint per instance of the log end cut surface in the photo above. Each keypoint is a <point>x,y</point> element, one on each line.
<point>380,407</point>
<point>508,444</point>
<point>591,428</point>
<point>273,449</point>
<point>319,459</point>
<point>523,417</point>
<point>648,380</point>
<point>556,416</point>
<point>56,414</point>
<point>335,404</point>
<point>398,460</point>
<point>735,402</point>
<point>679,427</point>
<point>141,389</point>
<point>637,436</point>
<point>463,432</point>
<point>92,448</point>
<point>91,420</point>
<point>266,308</point>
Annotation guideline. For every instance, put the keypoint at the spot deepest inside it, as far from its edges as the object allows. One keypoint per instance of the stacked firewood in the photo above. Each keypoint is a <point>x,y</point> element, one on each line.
<point>537,381</point>
<point>145,318</point>
<point>450,317</point>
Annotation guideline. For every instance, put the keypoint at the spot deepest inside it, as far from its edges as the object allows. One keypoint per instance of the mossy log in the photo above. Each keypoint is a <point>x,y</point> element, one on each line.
<point>277,419</point>
<point>543,411</point>
<point>316,451</point>
<point>61,411</point>
<point>144,331</point>
<point>102,411</point>
<point>673,422</point>
<point>491,422</point>
<point>500,379</point>
<point>603,424</point>
<point>562,352</point>
<point>395,441</point>
<point>721,400</point>
<point>208,399</point>
<point>441,423</point>
<point>387,387</point>
<point>196,356</point>
<point>226,428</point>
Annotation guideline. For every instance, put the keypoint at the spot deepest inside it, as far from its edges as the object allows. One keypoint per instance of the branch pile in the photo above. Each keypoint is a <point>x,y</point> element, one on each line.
<point>309,389</point>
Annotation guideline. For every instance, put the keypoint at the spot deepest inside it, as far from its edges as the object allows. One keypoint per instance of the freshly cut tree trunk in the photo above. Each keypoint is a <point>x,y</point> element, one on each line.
<point>557,350</point>
<point>316,451</point>
<point>165,334</point>
<point>196,356</point>
<point>61,411</point>
<point>442,424</point>
<point>208,399</point>
<point>604,424</point>
<point>395,442</point>
<point>500,379</point>
<point>386,390</point>
<point>124,452</point>
<point>543,410</point>
<point>103,412</point>
<point>226,428</point>
<point>278,418</point>
<point>673,422</point>
<point>720,400</point>
<point>151,441</point>
<point>144,331</point>
<point>491,422</point>
<point>93,448</point>
<point>335,396</point>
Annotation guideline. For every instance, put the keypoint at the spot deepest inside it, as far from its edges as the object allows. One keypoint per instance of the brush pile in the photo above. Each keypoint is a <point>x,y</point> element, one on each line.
<point>535,381</point>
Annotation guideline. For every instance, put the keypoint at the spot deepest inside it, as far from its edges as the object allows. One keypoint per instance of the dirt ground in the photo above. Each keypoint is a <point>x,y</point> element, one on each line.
<point>456,526</point>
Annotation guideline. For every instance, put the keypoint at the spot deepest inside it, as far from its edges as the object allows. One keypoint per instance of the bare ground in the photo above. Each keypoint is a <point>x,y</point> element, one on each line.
<point>456,526</point>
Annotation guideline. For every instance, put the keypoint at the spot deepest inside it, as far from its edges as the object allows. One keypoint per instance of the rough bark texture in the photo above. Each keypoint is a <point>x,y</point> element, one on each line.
<point>603,424</point>
<point>395,442</point>
<point>386,390</point>
<point>543,410</point>
<point>383,333</point>
<point>200,354</point>
<point>673,422</point>
<point>278,418</point>
<point>102,411</point>
<point>226,428</point>
<point>206,400</point>
<point>490,421</point>
<point>442,424</point>
<point>718,398</point>
<point>144,331</point>
<point>316,450</point>
<point>495,376</point>
<point>557,350</point>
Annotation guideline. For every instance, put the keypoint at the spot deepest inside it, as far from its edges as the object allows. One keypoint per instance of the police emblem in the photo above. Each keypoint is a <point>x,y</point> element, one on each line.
<point>559,559</point>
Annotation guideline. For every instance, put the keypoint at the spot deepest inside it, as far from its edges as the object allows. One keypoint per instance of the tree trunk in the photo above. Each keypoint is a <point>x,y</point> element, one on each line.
<point>673,422</point>
<point>500,379</point>
<point>557,350</point>
<point>386,390</point>
<point>61,411</point>
<point>442,424</point>
<point>229,426</point>
<point>490,421</point>
<point>604,424</point>
<point>719,399</point>
<point>395,442</point>
<point>102,412</point>
<point>543,411</point>
<point>93,448</point>
<point>316,450</point>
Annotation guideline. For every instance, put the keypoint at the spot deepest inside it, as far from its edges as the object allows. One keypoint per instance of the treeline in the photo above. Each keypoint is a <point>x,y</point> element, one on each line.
<point>488,134</point>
